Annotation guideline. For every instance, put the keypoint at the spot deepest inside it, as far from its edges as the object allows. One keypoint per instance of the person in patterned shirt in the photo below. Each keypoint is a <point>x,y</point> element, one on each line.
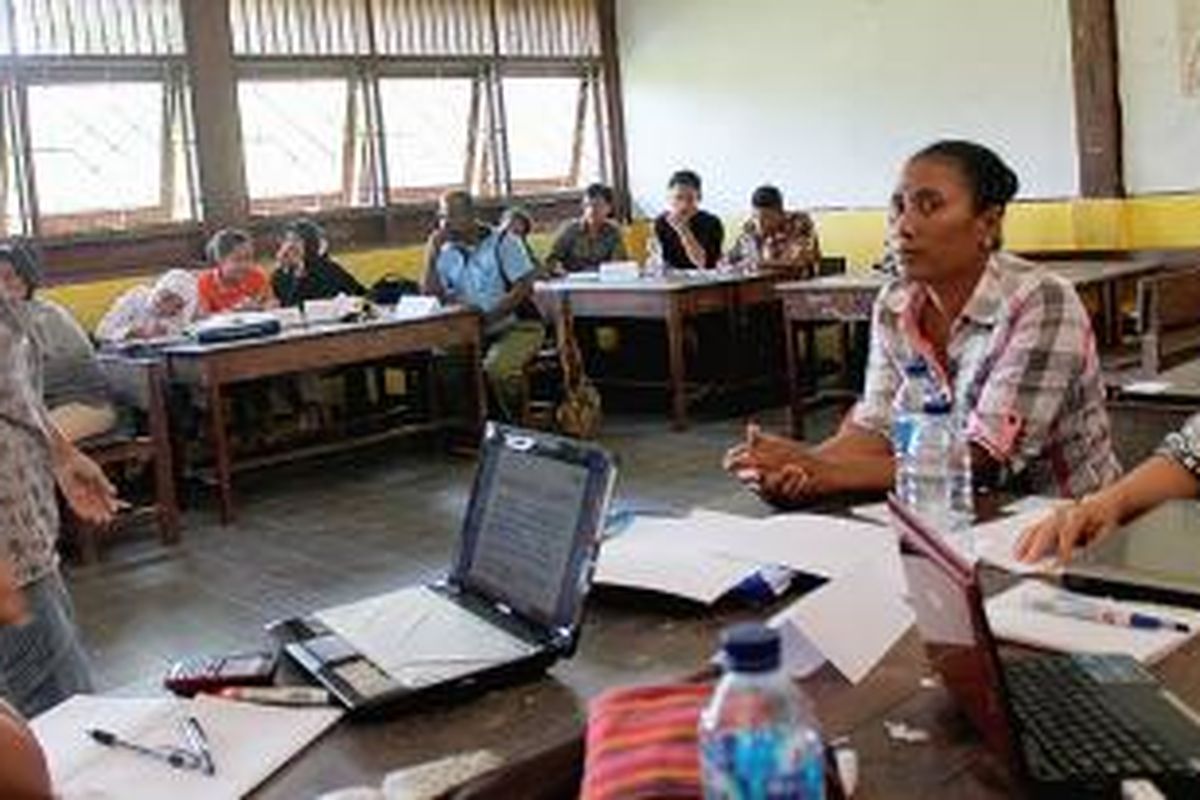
<point>776,240</point>
<point>1172,473</point>
<point>1008,342</point>
<point>41,662</point>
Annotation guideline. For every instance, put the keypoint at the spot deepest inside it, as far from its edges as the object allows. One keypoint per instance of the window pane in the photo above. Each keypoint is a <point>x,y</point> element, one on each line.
<point>426,122</point>
<point>293,134</point>
<point>97,155</point>
<point>541,134</point>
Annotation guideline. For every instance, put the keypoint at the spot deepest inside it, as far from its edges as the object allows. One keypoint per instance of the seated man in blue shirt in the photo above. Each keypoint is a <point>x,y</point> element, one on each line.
<point>468,263</point>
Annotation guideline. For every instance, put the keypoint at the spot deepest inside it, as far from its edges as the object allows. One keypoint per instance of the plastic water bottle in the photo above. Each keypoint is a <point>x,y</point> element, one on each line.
<point>910,404</point>
<point>933,478</point>
<point>758,740</point>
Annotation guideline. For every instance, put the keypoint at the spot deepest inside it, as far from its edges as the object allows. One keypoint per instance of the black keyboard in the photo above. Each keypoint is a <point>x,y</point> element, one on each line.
<point>1081,730</point>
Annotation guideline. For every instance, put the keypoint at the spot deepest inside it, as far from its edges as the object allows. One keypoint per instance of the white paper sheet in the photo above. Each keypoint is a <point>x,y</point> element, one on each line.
<point>1147,387</point>
<point>248,743</point>
<point>810,543</point>
<point>705,554</point>
<point>670,568</point>
<point>993,542</point>
<point>1013,620</point>
<point>853,620</point>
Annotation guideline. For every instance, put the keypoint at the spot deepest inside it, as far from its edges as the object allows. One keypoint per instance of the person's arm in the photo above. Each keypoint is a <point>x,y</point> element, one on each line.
<point>519,272</point>
<point>344,280</point>
<point>12,603</point>
<point>431,281</point>
<point>23,771</point>
<point>82,482</point>
<point>1172,473</point>
<point>557,261</point>
<point>695,251</point>
<point>120,321</point>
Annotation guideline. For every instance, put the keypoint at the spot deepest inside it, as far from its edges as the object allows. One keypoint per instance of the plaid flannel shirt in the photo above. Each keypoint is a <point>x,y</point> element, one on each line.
<point>1022,369</point>
<point>1183,446</point>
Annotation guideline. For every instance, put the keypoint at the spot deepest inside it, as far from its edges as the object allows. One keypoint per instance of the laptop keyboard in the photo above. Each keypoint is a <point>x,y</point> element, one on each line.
<point>1080,731</point>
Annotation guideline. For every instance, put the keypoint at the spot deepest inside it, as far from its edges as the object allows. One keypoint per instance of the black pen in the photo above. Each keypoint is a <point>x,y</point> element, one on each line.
<point>199,742</point>
<point>179,759</point>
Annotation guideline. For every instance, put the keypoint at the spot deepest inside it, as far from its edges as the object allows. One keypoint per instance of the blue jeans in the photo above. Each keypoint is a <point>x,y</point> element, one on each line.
<point>42,662</point>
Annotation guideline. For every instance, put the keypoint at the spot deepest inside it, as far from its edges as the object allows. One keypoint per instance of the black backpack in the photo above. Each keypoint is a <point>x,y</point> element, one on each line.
<point>388,290</point>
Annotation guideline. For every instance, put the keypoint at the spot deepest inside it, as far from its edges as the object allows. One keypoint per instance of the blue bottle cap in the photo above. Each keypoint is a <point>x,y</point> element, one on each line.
<point>751,647</point>
<point>916,367</point>
<point>938,406</point>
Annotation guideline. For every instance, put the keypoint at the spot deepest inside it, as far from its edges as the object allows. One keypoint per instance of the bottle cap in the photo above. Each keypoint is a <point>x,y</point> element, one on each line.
<point>937,406</point>
<point>751,647</point>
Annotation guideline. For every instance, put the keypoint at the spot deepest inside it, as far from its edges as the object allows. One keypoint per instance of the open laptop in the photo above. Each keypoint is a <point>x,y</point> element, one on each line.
<point>1070,725</point>
<point>512,602</point>
<point>1153,558</point>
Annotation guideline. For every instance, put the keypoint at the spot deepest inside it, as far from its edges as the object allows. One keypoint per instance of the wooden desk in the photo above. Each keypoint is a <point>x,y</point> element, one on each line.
<point>1177,386</point>
<point>1106,278</point>
<point>672,300</point>
<point>834,298</point>
<point>212,367</point>
<point>539,728</point>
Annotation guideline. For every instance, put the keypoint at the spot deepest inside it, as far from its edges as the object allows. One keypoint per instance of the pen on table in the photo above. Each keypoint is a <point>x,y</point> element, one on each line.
<point>278,695</point>
<point>1106,613</point>
<point>178,759</point>
<point>199,742</point>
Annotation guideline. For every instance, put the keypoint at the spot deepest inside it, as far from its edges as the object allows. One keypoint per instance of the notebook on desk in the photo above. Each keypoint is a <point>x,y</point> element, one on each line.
<point>248,742</point>
<point>512,602</point>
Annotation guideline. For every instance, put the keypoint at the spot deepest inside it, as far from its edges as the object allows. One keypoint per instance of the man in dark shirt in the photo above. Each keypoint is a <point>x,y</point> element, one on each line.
<point>685,237</point>
<point>305,270</point>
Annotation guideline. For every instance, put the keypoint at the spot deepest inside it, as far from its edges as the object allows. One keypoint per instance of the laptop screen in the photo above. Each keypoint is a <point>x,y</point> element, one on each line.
<point>945,597</point>
<point>533,523</point>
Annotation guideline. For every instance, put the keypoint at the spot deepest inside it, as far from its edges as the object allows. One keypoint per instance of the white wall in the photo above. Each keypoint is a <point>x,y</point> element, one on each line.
<point>827,97</point>
<point>1161,125</point>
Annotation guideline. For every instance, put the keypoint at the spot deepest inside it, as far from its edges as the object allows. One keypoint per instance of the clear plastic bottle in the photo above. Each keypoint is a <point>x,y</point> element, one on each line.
<point>758,739</point>
<point>934,477</point>
<point>909,405</point>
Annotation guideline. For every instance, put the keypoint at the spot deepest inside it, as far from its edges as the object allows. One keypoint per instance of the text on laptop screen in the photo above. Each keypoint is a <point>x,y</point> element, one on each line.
<point>526,536</point>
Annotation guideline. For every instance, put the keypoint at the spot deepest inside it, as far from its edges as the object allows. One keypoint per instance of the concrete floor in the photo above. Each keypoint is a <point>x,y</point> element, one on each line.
<point>312,535</point>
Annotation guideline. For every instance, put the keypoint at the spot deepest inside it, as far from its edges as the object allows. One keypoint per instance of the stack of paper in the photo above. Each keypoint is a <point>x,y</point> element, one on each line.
<point>1012,619</point>
<point>703,555</point>
<point>852,620</point>
<point>248,744</point>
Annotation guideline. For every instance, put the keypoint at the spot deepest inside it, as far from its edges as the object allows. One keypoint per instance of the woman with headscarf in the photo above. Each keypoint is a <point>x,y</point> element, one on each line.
<point>305,271</point>
<point>160,311</point>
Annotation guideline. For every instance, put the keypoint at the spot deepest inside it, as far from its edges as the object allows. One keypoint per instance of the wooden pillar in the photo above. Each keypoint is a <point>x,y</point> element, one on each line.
<point>1096,73</point>
<point>213,78</point>
<point>610,65</point>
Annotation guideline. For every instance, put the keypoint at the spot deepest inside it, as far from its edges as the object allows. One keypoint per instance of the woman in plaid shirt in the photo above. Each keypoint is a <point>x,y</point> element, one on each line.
<point>1008,341</point>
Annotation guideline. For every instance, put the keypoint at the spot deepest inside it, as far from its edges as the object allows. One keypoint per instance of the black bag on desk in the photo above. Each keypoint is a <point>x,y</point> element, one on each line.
<point>388,290</point>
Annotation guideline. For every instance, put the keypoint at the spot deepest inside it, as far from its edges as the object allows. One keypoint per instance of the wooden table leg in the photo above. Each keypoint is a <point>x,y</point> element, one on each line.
<point>795,398</point>
<point>222,460</point>
<point>677,365</point>
<point>1111,301</point>
<point>479,390</point>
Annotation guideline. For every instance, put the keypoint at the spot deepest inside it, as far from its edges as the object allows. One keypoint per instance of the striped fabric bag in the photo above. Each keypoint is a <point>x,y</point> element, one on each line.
<point>642,743</point>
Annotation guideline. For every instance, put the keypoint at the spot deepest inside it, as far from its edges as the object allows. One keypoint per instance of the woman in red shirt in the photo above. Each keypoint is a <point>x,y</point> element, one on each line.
<point>234,282</point>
